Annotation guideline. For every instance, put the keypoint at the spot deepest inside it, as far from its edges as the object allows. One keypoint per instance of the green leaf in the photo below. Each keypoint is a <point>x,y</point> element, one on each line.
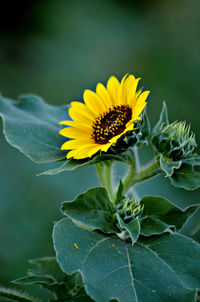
<point>72,164</point>
<point>31,126</point>
<point>157,269</point>
<point>132,228</point>
<point>120,196</point>
<point>160,216</point>
<point>92,209</point>
<point>49,275</point>
<point>193,160</point>
<point>186,178</point>
<point>162,121</point>
<point>168,166</point>
<point>14,295</point>
<point>47,272</point>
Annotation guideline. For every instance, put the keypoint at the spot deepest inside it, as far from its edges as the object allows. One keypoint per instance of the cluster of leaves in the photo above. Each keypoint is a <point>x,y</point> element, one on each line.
<point>48,275</point>
<point>121,249</point>
<point>142,266</point>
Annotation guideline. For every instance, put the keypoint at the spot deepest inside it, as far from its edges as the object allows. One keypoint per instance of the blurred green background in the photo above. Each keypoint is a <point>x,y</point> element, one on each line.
<point>57,49</point>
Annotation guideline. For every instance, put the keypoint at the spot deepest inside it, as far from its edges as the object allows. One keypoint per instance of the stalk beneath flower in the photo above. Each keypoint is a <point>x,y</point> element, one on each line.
<point>133,177</point>
<point>100,173</point>
<point>104,172</point>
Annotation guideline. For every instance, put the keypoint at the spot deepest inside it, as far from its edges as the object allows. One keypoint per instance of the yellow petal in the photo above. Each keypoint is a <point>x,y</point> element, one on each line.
<point>93,102</point>
<point>80,125</point>
<point>121,92</point>
<point>74,133</point>
<point>113,87</point>
<point>74,143</point>
<point>104,95</point>
<point>83,108</point>
<point>131,88</point>
<point>78,115</point>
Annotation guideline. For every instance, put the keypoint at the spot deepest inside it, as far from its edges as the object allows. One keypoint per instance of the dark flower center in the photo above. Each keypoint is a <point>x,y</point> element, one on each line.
<point>111,123</point>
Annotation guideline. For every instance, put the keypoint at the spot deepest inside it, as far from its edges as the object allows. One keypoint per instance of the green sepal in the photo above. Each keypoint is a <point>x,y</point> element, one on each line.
<point>93,210</point>
<point>159,216</point>
<point>163,120</point>
<point>159,268</point>
<point>31,126</point>
<point>168,166</point>
<point>186,177</point>
<point>129,230</point>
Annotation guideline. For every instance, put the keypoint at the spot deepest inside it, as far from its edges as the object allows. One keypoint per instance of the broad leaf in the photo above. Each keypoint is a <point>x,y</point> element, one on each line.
<point>92,209</point>
<point>31,126</point>
<point>132,229</point>
<point>159,216</point>
<point>186,178</point>
<point>168,166</point>
<point>157,269</point>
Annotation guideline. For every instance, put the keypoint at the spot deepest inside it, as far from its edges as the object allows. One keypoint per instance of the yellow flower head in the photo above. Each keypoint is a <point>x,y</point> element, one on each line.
<point>104,118</point>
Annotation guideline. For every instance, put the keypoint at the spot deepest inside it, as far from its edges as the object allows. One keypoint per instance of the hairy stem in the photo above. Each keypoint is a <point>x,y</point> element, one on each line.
<point>133,177</point>
<point>100,173</point>
<point>104,171</point>
<point>108,179</point>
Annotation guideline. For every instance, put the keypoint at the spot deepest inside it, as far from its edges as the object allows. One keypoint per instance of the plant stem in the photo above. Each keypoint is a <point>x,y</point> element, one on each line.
<point>100,173</point>
<point>145,173</point>
<point>104,172</point>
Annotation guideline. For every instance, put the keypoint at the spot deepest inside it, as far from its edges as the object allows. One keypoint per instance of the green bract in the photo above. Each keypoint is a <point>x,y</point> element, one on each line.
<point>174,145</point>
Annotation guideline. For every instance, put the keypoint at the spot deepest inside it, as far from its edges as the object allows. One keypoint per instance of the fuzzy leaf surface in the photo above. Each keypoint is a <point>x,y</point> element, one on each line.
<point>186,177</point>
<point>31,126</point>
<point>132,228</point>
<point>157,269</point>
<point>92,209</point>
<point>160,216</point>
<point>169,166</point>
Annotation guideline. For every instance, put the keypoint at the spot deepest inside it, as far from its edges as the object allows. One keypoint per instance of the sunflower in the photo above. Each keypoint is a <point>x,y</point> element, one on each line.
<point>105,116</point>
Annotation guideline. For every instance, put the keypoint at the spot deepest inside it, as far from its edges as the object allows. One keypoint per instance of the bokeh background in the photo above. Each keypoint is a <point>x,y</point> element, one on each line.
<point>57,49</point>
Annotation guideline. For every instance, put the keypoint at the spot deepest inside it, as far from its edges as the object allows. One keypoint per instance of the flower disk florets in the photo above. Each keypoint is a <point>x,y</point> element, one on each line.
<point>175,141</point>
<point>111,123</point>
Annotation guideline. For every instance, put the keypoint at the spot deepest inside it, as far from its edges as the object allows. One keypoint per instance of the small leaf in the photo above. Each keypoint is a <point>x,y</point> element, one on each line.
<point>162,121</point>
<point>119,195</point>
<point>133,228</point>
<point>186,178</point>
<point>31,126</point>
<point>168,166</point>
<point>9,294</point>
<point>160,216</point>
<point>92,209</point>
<point>158,269</point>
<point>145,129</point>
<point>193,160</point>
<point>72,164</point>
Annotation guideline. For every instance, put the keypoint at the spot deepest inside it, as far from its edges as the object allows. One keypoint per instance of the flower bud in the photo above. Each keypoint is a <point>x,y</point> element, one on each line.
<point>129,210</point>
<point>175,141</point>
